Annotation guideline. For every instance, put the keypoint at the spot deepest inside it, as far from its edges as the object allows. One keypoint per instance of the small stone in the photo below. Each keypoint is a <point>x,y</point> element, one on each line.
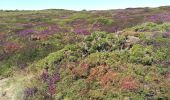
<point>4,93</point>
<point>126,98</point>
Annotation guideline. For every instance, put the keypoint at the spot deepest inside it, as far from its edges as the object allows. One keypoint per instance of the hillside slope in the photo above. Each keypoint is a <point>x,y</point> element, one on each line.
<point>86,55</point>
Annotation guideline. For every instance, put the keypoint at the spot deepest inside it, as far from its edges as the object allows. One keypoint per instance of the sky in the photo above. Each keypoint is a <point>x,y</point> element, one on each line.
<point>79,4</point>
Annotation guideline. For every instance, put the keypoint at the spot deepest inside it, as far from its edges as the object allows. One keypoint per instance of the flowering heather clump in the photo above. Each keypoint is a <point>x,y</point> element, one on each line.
<point>64,30</point>
<point>104,75</point>
<point>45,31</point>
<point>165,35</point>
<point>27,32</point>
<point>51,89</point>
<point>129,84</point>
<point>12,47</point>
<point>109,78</point>
<point>45,76</point>
<point>98,72</point>
<point>121,16</point>
<point>2,35</point>
<point>54,78</point>
<point>51,81</point>
<point>96,26</point>
<point>81,70</point>
<point>81,31</point>
<point>51,30</point>
<point>162,17</point>
<point>30,92</point>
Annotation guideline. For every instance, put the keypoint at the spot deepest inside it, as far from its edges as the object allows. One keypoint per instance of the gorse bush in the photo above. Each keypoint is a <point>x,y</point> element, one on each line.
<point>103,42</point>
<point>141,54</point>
<point>151,27</point>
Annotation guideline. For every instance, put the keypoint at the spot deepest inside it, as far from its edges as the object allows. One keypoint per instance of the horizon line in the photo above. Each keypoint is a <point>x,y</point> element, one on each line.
<point>123,8</point>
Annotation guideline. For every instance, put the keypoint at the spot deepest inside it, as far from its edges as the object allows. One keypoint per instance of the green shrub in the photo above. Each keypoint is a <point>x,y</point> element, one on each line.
<point>96,94</point>
<point>103,42</point>
<point>150,27</point>
<point>51,59</point>
<point>141,54</point>
<point>104,21</point>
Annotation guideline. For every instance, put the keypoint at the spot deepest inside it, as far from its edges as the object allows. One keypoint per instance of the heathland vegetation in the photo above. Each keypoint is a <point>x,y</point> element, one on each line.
<point>58,54</point>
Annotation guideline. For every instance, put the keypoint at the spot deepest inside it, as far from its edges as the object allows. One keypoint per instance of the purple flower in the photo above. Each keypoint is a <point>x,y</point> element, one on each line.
<point>55,77</point>
<point>27,32</point>
<point>51,89</point>
<point>45,31</point>
<point>162,17</point>
<point>45,76</point>
<point>30,92</point>
<point>51,83</point>
<point>82,31</point>
<point>165,35</point>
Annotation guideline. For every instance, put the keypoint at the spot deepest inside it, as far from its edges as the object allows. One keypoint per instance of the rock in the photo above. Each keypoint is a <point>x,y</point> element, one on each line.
<point>1,78</point>
<point>131,40</point>
<point>34,38</point>
<point>4,93</point>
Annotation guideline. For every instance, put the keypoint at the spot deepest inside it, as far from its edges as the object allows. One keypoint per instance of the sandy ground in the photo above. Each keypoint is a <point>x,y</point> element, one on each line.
<point>5,93</point>
<point>12,88</point>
